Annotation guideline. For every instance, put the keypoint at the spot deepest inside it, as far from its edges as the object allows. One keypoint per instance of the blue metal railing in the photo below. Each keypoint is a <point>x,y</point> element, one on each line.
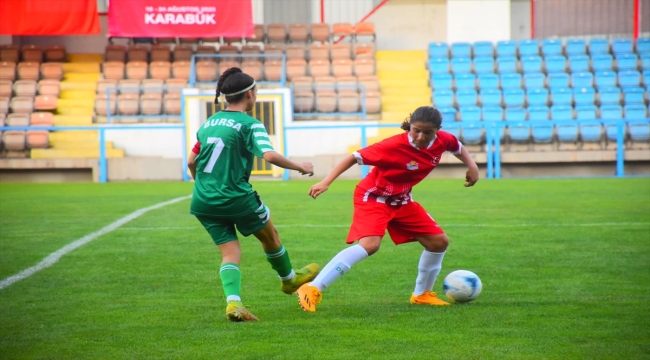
<point>362,99</point>
<point>283,77</point>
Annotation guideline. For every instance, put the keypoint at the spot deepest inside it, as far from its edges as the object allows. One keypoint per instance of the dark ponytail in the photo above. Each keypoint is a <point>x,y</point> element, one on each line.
<point>231,81</point>
<point>427,114</point>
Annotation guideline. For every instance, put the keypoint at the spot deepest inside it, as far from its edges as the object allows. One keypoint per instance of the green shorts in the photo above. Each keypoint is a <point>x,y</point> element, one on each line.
<point>222,228</point>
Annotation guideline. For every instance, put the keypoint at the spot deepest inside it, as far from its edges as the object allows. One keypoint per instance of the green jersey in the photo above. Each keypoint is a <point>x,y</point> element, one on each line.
<point>229,141</point>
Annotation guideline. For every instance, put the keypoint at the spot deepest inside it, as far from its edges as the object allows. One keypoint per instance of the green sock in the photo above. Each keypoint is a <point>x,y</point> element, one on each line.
<point>231,281</point>
<point>280,262</point>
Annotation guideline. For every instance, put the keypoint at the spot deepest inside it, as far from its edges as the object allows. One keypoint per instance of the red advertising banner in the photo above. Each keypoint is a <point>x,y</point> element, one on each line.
<point>180,18</point>
<point>48,17</point>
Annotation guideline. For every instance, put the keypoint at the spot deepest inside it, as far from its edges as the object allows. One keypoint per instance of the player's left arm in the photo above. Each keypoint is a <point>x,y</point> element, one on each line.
<point>471,177</point>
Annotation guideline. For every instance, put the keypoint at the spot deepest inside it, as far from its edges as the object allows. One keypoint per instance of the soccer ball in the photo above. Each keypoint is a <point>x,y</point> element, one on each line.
<point>462,286</point>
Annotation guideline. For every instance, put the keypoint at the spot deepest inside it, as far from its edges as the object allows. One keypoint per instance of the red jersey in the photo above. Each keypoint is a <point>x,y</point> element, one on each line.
<point>400,165</point>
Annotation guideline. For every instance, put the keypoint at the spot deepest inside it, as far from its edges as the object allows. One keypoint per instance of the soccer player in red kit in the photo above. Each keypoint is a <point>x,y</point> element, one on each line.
<point>383,201</point>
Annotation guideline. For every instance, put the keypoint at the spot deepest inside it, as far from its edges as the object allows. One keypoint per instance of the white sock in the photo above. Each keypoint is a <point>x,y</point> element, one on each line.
<point>233,298</point>
<point>428,270</point>
<point>339,265</point>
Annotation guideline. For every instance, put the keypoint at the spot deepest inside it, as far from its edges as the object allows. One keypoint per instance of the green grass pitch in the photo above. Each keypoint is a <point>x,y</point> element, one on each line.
<point>565,265</point>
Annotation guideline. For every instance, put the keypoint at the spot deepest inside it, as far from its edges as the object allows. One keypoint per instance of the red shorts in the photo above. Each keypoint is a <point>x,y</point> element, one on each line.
<point>403,222</point>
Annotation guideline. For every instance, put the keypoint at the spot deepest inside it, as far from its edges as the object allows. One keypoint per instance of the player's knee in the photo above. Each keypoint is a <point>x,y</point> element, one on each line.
<point>438,243</point>
<point>371,245</point>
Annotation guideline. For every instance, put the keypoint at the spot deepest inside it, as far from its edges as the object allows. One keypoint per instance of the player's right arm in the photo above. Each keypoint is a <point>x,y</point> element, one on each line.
<point>305,168</point>
<point>339,169</point>
<point>191,160</point>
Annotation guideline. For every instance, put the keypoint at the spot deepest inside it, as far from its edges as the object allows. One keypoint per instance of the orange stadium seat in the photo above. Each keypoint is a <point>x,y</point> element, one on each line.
<point>252,67</point>
<point>7,70</point>
<point>364,50</point>
<point>298,32</point>
<point>228,50</point>
<point>206,71</point>
<point>303,83</point>
<point>160,53</point>
<point>129,86</point>
<point>273,69</point>
<point>49,87</point>
<point>226,64</point>
<point>326,101</point>
<point>172,104</point>
<point>136,70</point>
<point>364,29</point>
<point>160,70</point>
<point>373,102</point>
<point>295,68</point>
<point>151,104</point>
<point>28,71</point>
<point>324,83</point>
<point>52,71</point>
<point>10,53</point>
<point>303,100</point>
<point>348,100</point>
<point>181,70</point>
<point>319,51</point>
<point>364,66</point>
<point>103,85</point>
<point>295,52</point>
<point>258,34</point>
<point>2,120</point>
<point>341,51</point>
<point>342,29</point>
<point>319,67</point>
<point>138,53</point>
<point>33,53</point>
<point>17,120</point>
<point>22,104</point>
<point>371,82</point>
<point>55,53</point>
<point>38,139</point>
<point>347,82</point>
<point>4,105</point>
<point>342,67</point>
<point>113,70</point>
<point>208,50</point>
<point>320,32</point>
<point>102,104</point>
<point>45,102</point>
<point>153,86</point>
<point>128,104</point>
<point>276,32</point>
<point>175,83</point>
<point>115,53</point>
<point>183,53</point>
<point>6,88</point>
<point>251,49</point>
<point>14,140</point>
<point>41,119</point>
<point>25,88</point>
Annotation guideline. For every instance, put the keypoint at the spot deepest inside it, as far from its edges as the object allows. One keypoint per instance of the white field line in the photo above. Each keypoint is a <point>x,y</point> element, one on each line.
<point>443,225</point>
<point>55,256</point>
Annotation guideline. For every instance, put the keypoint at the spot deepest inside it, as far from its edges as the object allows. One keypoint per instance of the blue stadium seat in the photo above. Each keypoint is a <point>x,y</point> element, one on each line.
<point>638,131</point>
<point>582,80</point>
<point>528,48</point>
<point>646,77</point>
<point>561,112</point>
<point>465,81</point>
<point>551,47</point>
<point>561,96</point>
<point>492,113</point>
<point>575,47</point>
<point>507,49</point>
<point>534,80</point>
<point>635,112</point>
<point>626,61</point>
<point>490,97</point>
<point>555,64</point>
<point>515,114</point>
<point>586,112</point>
<point>443,98</point>
<point>543,134</point>
<point>483,49</point>
<point>598,46</point>
<point>438,50</point>
<point>589,132</point>
<point>565,133</point>
<point>629,78</point>
<point>514,97</point>
<point>645,62</point>
<point>461,65</point>
<point>622,46</point>
<point>558,80</point>
<point>511,81</point>
<point>602,62</point>
<point>507,64</point>
<point>531,64</point>
<point>633,95</point>
<point>537,113</point>
<point>584,96</point>
<point>643,45</point>
<point>611,112</point>
<point>605,79</point>
<point>609,95</point>
<point>461,50</point>
<point>454,130</point>
<point>473,134</point>
<point>448,113</point>
<point>466,97</point>
<point>579,63</point>
<point>439,65</point>
<point>483,65</point>
<point>537,97</point>
<point>441,81</point>
<point>488,81</point>
<point>470,113</point>
<point>519,132</point>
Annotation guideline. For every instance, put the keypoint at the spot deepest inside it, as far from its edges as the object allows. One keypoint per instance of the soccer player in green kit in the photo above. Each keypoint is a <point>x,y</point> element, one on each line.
<point>221,164</point>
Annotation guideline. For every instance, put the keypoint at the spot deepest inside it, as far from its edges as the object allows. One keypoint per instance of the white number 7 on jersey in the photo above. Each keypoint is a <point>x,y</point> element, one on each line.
<point>218,147</point>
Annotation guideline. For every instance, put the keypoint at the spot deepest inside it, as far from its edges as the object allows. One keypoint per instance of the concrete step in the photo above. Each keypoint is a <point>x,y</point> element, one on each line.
<point>77,95</point>
<point>81,67</point>
<point>74,85</point>
<point>74,153</point>
<point>87,111</point>
<point>81,77</point>
<point>71,120</point>
<point>74,135</point>
<point>79,145</point>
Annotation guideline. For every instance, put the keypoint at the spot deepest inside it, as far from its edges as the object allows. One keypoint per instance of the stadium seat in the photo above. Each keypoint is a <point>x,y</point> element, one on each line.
<point>298,32</point>
<point>151,104</point>
<point>542,134</point>
<point>643,45</point>
<point>635,112</point>
<point>490,97</point>
<point>454,130</point>
<point>507,65</point>
<point>598,46</point>
<point>506,49</point>
<point>341,51</point>
<point>534,80</point>
<point>25,88</point>
<point>252,67</point>
<point>137,53</point>
<point>293,51</point>
<point>9,53</point>
<point>7,71</point>
<point>160,70</point>
<point>484,65</point>
<point>206,71</point>
<point>586,112</point>
<point>629,78</point>
<point>461,65</point>
<point>465,81</point>
<point>152,86</point>
<point>6,88</point>
<point>519,132</point>
<point>251,49</point>
<point>483,49</point>
<point>439,65</point>
<point>348,101</point>
<point>14,140</point>
<point>441,81</point>
<point>467,97</point>
<point>319,51</point>
<point>531,64</point>
<point>4,105</point>
<point>634,95</point>
<point>488,81</point>
<point>561,96</point>
<point>537,97</point>
<point>584,96</point>
<point>469,113</point>
<point>645,62</point>
<point>582,80</point>
<point>565,132</point>
<point>443,98</point>
<point>575,47</point>
<point>579,63</point>
<point>371,82</point>
<point>515,114</point>
<point>438,50</point>
<point>22,104</point>
<point>55,53</point>
<point>537,113</point>
<point>561,112</point>
<point>638,131</point>
<point>182,52</point>
<point>461,50</point>
<point>514,98</point>
<point>172,104</point>
<point>41,119</point>
<point>511,81</point>
<point>320,67</point>
<point>605,79</point>
<point>49,87</point>
<point>611,112</point>
<point>609,95</point>
<point>181,70</point>
<point>646,78</point>
<point>626,62</point>
<point>555,64</point>
<point>473,134</point>
<point>492,113</point>
<point>318,32</point>
<point>551,47</point>
<point>602,62</point>
<point>560,80</point>
<point>28,71</point>
<point>363,66</point>
<point>528,48</point>
<point>373,102</point>
<point>115,53</point>
<point>448,113</point>
<point>276,32</point>
<point>17,119</point>
<point>622,46</point>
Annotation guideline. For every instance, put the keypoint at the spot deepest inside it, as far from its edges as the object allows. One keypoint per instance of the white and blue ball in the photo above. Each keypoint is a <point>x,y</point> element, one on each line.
<point>462,286</point>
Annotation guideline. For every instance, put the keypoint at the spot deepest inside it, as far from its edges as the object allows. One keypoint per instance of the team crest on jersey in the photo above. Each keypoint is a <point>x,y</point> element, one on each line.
<point>412,165</point>
<point>436,160</point>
